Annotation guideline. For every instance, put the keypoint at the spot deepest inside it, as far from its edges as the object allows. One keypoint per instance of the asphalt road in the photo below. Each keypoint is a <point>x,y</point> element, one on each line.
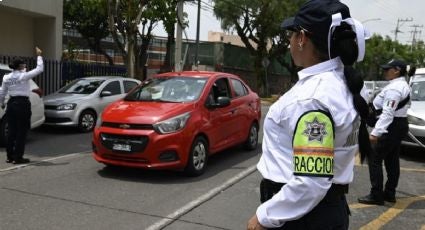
<point>64,188</point>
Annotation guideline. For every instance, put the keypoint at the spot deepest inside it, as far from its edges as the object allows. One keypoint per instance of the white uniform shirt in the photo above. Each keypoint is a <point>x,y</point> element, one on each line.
<point>17,83</point>
<point>388,100</point>
<point>320,87</point>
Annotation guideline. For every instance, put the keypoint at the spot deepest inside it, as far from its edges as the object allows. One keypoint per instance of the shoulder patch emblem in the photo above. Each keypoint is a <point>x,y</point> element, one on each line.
<point>315,130</point>
<point>313,145</point>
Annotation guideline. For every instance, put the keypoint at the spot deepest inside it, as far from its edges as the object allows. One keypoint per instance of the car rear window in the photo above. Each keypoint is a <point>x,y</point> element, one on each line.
<point>128,85</point>
<point>418,91</point>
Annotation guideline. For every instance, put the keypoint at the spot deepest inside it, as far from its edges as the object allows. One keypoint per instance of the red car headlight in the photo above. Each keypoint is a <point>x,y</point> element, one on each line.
<point>173,124</point>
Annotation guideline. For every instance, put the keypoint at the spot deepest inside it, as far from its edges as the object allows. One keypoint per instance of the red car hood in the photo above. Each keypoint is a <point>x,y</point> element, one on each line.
<point>138,112</point>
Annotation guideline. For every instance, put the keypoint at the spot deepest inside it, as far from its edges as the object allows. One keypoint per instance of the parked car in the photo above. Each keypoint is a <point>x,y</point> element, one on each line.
<point>416,113</point>
<point>419,73</point>
<point>176,120</point>
<point>80,102</point>
<point>371,89</point>
<point>37,107</point>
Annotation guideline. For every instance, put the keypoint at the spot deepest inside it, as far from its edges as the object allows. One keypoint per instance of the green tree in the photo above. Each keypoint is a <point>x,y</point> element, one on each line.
<point>89,18</point>
<point>417,54</point>
<point>257,23</point>
<point>124,18</point>
<point>131,23</point>
<point>380,50</point>
<point>168,16</point>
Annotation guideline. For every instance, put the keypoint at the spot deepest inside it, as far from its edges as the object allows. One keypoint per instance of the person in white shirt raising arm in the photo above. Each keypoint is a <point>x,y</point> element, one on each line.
<point>18,112</point>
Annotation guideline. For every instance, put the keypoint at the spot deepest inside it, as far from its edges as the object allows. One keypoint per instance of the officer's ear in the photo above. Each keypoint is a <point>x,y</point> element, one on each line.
<point>302,38</point>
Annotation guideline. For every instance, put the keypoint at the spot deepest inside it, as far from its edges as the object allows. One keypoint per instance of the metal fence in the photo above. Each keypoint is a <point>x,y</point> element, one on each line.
<point>57,73</point>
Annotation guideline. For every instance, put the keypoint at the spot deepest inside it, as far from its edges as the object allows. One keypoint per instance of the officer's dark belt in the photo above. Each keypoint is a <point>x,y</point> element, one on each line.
<point>19,97</point>
<point>335,192</point>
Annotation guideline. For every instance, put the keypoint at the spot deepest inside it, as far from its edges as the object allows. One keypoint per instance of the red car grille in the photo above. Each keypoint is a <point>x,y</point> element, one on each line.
<point>134,143</point>
<point>127,126</point>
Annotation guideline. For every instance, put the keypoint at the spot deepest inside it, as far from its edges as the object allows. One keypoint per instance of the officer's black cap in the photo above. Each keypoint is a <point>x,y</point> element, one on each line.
<point>315,16</point>
<point>394,63</point>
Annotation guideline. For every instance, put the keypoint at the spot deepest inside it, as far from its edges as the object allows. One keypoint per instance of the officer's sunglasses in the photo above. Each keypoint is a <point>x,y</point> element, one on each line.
<point>296,29</point>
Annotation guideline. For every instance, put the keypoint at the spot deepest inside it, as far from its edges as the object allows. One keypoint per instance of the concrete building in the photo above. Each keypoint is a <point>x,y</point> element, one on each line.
<point>230,39</point>
<point>28,23</point>
<point>226,38</point>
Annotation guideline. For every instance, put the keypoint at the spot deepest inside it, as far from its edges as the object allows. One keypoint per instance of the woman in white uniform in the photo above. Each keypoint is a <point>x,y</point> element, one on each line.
<point>311,133</point>
<point>391,127</point>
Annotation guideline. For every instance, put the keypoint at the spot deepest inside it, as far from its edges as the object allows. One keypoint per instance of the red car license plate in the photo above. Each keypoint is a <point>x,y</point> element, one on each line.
<point>122,147</point>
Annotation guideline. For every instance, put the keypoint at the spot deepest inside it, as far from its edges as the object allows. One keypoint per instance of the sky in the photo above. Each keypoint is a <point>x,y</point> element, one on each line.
<point>379,16</point>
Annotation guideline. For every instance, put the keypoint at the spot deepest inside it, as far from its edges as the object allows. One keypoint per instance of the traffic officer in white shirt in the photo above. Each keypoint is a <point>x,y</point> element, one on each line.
<point>311,133</point>
<point>18,112</point>
<point>389,130</point>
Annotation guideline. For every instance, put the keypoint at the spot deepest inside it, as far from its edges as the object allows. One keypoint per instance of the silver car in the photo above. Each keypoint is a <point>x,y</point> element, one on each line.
<point>80,102</point>
<point>416,113</point>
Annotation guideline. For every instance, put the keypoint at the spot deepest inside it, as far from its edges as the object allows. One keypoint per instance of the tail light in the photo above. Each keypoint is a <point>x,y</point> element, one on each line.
<point>38,91</point>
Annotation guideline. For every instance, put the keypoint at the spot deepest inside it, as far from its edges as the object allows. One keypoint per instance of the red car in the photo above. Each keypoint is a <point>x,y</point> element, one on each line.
<point>176,120</point>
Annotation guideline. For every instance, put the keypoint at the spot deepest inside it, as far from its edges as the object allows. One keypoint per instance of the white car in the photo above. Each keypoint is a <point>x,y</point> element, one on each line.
<point>37,106</point>
<point>371,89</point>
<point>416,112</point>
<point>80,102</point>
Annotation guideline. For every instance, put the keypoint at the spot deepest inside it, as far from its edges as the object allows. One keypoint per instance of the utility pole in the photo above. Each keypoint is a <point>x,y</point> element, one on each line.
<point>197,34</point>
<point>414,32</point>
<point>178,50</point>
<point>397,30</point>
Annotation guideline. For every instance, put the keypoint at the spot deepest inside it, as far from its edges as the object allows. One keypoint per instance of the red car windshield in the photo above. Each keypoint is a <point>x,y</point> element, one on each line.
<point>168,89</point>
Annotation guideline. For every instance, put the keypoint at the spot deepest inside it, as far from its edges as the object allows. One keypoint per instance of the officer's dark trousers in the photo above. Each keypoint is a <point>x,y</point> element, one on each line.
<point>332,213</point>
<point>387,150</point>
<point>19,121</point>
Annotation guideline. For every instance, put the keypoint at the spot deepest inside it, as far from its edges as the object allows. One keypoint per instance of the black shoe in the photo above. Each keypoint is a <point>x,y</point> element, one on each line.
<point>389,198</point>
<point>369,199</point>
<point>21,161</point>
<point>9,160</point>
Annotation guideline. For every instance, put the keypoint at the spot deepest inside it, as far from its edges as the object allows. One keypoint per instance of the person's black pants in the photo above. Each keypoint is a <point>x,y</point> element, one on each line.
<point>387,150</point>
<point>332,213</point>
<point>18,115</point>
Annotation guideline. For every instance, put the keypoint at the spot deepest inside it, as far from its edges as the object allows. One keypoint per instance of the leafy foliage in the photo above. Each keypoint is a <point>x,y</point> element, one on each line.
<point>380,50</point>
<point>89,18</point>
<point>131,23</point>
<point>257,22</point>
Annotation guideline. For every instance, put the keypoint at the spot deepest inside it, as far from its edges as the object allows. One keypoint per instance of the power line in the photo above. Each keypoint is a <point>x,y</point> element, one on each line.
<point>397,28</point>
<point>414,32</point>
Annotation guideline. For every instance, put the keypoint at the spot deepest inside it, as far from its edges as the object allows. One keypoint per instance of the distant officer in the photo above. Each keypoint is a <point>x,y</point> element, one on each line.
<point>311,134</point>
<point>18,111</point>
<point>389,130</point>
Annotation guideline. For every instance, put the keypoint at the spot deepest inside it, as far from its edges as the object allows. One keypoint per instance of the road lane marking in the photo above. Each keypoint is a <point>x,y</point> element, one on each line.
<point>391,213</point>
<point>169,219</point>
<point>40,161</point>
<point>359,206</point>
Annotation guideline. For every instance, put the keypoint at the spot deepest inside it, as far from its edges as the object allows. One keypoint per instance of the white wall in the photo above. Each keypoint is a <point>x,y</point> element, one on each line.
<point>27,23</point>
